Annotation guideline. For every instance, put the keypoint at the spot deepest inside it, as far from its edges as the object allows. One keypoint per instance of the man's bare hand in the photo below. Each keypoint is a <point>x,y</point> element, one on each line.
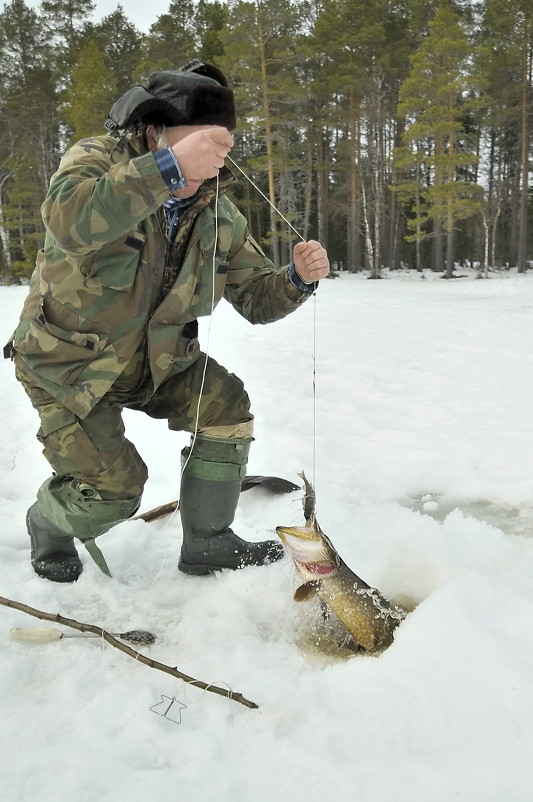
<point>201,154</point>
<point>310,260</point>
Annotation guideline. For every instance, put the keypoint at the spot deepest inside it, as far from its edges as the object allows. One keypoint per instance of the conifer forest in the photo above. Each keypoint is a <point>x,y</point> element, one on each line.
<point>397,132</point>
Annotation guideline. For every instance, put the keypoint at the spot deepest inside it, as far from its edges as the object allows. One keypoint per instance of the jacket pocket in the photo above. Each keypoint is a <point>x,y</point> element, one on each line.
<point>58,341</point>
<point>173,348</point>
<point>66,445</point>
<point>115,265</point>
<point>215,267</point>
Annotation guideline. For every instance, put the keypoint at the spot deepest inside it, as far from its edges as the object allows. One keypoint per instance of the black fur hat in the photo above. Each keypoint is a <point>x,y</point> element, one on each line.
<point>196,94</point>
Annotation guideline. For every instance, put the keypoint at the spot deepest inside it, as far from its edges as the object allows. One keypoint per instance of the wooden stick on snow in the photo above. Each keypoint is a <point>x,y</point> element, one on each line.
<point>140,658</point>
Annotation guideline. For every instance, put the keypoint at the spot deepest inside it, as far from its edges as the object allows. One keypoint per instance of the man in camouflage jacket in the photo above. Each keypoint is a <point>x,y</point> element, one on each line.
<point>141,241</point>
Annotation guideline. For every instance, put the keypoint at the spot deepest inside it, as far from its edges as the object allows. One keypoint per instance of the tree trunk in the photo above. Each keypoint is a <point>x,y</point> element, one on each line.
<point>437,247</point>
<point>450,255</point>
<point>322,209</point>
<point>354,244</point>
<point>369,248</point>
<point>484,266</point>
<point>524,162</point>
<point>308,190</point>
<point>354,213</point>
<point>4,233</point>
<point>269,147</point>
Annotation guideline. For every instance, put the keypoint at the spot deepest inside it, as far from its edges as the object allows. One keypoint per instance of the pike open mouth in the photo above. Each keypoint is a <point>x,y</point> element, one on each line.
<point>317,569</point>
<point>308,551</point>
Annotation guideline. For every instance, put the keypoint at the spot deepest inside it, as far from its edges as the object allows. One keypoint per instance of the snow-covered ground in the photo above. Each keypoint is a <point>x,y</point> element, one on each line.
<point>419,440</point>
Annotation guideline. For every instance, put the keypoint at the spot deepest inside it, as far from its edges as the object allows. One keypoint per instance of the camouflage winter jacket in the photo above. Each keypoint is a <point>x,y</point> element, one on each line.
<point>95,295</point>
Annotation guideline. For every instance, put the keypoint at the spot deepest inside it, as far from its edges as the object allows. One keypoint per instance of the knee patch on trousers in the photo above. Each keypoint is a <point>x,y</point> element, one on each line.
<point>112,467</point>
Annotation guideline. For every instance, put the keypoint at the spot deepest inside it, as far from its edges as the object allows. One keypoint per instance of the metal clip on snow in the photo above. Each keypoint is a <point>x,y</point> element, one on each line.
<point>166,708</point>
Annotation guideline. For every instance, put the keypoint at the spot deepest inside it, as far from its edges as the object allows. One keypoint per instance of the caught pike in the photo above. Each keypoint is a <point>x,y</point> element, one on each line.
<point>367,615</point>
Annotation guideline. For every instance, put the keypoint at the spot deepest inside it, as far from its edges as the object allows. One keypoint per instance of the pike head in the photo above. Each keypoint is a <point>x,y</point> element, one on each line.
<point>311,550</point>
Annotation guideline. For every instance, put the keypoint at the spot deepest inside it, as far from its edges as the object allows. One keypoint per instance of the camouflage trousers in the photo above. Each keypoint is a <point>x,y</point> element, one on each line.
<point>99,475</point>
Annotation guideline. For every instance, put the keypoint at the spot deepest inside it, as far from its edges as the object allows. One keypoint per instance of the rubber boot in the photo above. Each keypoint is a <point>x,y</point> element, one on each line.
<point>74,507</point>
<point>53,554</point>
<point>210,490</point>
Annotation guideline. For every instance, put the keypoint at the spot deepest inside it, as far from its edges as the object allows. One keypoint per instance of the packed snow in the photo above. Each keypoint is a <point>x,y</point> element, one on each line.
<point>407,401</point>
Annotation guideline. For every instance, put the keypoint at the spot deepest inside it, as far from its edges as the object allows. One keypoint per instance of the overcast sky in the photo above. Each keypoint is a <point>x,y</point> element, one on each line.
<point>142,13</point>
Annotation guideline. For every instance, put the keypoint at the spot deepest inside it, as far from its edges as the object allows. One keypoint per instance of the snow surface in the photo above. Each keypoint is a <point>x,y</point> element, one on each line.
<point>419,440</point>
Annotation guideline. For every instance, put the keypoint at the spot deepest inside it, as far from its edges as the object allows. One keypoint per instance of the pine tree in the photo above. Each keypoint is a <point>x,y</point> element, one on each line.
<point>364,48</point>
<point>440,91</point>
<point>21,210</point>
<point>90,95</point>
<point>121,43</point>
<point>171,40</point>
<point>210,19</point>
<point>259,57</point>
<point>28,133</point>
<point>65,21</point>
<point>507,30</point>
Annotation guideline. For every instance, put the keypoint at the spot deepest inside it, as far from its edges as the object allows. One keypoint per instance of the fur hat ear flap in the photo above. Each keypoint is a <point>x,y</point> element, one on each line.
<point>155,111</point>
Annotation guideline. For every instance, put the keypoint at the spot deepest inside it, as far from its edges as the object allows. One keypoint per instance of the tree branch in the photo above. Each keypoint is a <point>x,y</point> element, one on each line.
<point>157,512</point>
<point>140,658</point>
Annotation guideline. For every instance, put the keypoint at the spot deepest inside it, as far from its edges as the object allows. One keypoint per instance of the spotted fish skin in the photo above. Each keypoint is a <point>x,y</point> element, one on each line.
<point>367,615</point>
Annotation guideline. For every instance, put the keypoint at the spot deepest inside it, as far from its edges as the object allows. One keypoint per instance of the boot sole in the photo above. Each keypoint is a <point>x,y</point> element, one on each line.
<point>56,568</point>
<point>59,570</point>
<point>202,569</point>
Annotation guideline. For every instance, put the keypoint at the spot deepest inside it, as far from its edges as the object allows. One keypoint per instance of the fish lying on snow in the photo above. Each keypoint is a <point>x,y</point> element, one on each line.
<point>367,615</point>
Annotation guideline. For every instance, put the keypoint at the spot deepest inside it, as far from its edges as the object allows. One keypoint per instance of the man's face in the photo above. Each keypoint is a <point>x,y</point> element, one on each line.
<point>174,135</point>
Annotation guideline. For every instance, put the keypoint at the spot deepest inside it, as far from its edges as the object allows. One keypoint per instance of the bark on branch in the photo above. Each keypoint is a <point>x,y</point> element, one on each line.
<point>140,658</point>
<point>157,512</point>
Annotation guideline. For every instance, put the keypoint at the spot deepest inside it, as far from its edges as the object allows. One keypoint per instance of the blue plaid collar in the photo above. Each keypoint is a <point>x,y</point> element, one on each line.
<point>174,208</point>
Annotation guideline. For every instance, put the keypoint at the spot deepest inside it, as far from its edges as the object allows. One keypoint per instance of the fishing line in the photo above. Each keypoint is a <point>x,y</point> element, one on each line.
<point>314,305</point>
<point>204,372</point>
<point>265,197</point>
<point>202,382</point>
<point>206,350</point>
<point>314,390</point>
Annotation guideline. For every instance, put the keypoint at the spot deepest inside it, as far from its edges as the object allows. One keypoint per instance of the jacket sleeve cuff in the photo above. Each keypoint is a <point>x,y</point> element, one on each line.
<point>299,283</point>
<point>170,169</point>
